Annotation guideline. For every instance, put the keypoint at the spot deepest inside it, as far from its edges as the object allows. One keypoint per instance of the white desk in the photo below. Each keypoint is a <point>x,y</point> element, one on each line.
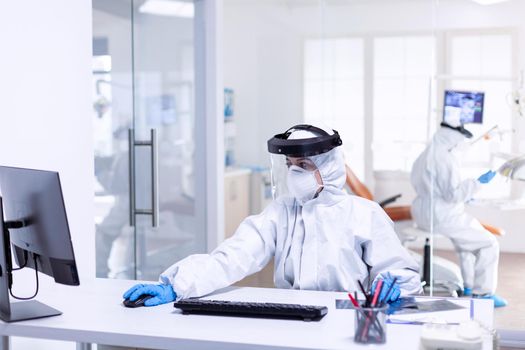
<point>507,215</point>
<point>94,314</point>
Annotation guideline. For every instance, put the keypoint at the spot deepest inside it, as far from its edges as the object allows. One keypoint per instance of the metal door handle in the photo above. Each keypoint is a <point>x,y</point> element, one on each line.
<point>154,211</point>
<point>131,168</point>
<point>154,179</point>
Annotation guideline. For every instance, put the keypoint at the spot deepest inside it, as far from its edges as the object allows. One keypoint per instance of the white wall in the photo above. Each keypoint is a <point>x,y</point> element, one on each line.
<point>45,118</point>
<point>263,64</point>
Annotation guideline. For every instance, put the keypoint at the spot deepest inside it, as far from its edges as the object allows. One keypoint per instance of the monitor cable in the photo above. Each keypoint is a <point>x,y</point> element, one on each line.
<point>25,262</point>
<point>36,274</point>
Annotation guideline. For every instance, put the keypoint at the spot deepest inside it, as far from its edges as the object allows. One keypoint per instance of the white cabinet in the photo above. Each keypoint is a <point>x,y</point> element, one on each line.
<point>237,198</point>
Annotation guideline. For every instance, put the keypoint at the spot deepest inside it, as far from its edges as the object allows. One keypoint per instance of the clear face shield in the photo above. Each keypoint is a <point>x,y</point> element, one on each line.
<point>295,156</point>
<point>295,176</point>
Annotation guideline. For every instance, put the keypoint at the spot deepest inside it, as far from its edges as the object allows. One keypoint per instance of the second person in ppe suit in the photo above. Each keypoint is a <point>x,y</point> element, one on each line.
<point>440,202</point>
<point>321,237</point>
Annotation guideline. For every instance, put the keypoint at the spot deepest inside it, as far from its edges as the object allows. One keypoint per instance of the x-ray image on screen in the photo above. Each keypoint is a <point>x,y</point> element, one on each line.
<point>463,107</point>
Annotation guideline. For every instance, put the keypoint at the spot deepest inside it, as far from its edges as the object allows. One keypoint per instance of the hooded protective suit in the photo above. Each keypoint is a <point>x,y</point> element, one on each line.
<point>436,179</point>
<point>325,243</point>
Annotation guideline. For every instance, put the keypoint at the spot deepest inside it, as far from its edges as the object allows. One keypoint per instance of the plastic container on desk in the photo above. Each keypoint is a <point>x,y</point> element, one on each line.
<point>370,325</point>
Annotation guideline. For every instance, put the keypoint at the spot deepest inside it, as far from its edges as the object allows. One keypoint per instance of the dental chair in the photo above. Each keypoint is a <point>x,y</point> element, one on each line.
<point>447,275</point>
<point>396,213</point>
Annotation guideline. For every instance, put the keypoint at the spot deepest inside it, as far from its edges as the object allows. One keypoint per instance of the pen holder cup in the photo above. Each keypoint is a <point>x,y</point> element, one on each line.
<point>370,325</point>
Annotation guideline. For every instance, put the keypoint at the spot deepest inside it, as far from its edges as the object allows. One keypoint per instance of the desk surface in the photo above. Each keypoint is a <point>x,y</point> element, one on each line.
<point>498,203</point>
<point>94,314</point>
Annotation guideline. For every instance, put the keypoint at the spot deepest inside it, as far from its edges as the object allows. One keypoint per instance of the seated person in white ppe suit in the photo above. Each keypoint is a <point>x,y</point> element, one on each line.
<point>441,197</point>
<point>321,237</point>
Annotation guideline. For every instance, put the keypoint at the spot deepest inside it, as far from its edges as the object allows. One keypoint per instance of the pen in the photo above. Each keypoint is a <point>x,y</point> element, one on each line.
<point>353,300</point>
<point>379,286</point>
<point>390,289</point>
<point>364,292</point>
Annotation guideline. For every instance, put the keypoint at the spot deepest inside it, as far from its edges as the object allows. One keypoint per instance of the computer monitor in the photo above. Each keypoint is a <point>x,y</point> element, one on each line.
<point>463,107</point>
<point>35,224</point>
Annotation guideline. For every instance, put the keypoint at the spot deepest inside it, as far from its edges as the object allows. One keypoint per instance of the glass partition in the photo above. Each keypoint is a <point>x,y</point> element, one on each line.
<point>349,65</point>
<point>381,81</point>
<point>150,196</point>
<point>480,46</point>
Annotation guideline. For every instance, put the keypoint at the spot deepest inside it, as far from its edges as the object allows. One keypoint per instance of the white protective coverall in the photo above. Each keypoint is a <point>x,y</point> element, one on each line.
<point>437,171</point>
<point>328,243</point>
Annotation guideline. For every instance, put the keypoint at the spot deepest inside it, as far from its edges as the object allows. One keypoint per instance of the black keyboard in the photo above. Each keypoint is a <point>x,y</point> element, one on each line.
<point>264,310</point>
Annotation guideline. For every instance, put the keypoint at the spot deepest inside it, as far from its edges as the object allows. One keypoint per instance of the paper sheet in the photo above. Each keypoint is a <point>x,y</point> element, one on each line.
<point>419,310</point>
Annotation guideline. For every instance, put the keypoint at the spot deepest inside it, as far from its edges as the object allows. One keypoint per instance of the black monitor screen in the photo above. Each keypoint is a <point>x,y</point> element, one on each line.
<point>463,107</point>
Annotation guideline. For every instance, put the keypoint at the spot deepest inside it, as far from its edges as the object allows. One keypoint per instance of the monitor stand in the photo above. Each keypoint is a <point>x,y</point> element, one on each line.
<point>17,311</point>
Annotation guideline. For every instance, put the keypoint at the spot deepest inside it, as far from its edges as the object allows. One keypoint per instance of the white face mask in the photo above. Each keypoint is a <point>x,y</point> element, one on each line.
<point>302,183</point>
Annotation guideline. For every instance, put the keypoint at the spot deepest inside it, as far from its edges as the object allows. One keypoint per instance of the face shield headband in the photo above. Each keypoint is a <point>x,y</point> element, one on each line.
<point>459,129</point>
<point>279,144</point>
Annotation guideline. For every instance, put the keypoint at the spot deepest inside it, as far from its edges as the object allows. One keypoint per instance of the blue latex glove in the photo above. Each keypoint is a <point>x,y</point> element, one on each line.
<point>161,293</point>
<point>392,296</point>
<point>487,177</point>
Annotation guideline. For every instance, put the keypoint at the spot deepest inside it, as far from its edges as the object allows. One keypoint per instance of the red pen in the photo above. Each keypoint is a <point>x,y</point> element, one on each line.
<point>378,291</point>
<point>356,304</point>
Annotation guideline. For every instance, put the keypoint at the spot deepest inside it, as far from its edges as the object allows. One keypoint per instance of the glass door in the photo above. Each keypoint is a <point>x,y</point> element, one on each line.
<point>144,121</point>
<point>164,80</point>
